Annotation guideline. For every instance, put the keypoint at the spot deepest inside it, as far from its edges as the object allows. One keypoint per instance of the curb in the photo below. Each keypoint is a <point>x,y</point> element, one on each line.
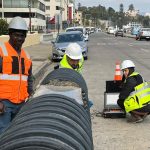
<point>129,36</point>
<point>38,74</point>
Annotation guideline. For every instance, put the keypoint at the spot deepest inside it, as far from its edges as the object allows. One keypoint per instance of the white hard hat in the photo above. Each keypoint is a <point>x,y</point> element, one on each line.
<point>127,64</point>
<point>18,23</point>
<point>74,51</point>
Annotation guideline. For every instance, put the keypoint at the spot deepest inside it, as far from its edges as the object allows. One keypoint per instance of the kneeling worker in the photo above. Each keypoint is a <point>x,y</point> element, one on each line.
<point>134,97</point>
<point>73,58</point>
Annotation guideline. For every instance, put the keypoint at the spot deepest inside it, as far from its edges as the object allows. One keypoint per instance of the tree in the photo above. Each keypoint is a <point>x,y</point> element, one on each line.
<point>121,16</point>
<point>121,8</point>
<point>146,21</point>
<point>3,27</point>
<point>131,7</point>
<point>79,5</point>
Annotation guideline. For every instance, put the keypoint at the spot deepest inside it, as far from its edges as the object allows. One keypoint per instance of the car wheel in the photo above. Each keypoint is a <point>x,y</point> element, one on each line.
<point>86,58</point>
<point>136,38</point>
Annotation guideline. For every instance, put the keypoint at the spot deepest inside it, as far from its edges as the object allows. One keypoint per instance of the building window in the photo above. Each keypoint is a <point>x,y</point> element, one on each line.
<point>42,6</point>
<point>15,4</point>
<point>21,14</point>
<point>57,7</point>
<point>0,3</point>
<point>47,7</point>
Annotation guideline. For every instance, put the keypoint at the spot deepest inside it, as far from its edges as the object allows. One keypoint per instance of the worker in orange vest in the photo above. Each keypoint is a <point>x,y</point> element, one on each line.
<point>16,80</point>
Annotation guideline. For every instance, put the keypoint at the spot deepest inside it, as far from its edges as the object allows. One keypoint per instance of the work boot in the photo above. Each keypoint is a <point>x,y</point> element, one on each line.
<point>135,119</point>
<point>144,116</point>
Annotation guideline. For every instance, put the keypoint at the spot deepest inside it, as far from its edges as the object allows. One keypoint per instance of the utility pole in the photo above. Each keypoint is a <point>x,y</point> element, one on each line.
<point>67,14</point>
<point>74,8</point>
<point>2,9</point>
<point>29,5</point>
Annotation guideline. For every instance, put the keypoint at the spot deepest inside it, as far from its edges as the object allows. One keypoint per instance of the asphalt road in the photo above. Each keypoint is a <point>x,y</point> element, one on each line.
<point>104,51</point>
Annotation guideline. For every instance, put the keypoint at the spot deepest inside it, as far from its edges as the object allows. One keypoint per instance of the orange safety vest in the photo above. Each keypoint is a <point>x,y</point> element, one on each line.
<point>13,74</point>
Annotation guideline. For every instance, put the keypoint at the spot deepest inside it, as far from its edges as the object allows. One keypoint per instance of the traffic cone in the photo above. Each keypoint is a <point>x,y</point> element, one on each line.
<point>117,76</point>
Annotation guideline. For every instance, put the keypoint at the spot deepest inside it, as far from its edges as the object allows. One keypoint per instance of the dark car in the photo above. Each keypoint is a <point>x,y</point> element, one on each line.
<point>119,33</point>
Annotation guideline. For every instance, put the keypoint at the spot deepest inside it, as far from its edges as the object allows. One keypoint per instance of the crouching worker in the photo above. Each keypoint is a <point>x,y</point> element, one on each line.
<point>16,78</point>
<point>135,95</point>
<point>73,58</point>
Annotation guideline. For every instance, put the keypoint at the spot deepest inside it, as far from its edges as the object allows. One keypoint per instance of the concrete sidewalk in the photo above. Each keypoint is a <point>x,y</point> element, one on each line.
<point>129,35</point>
<point>40,55</point>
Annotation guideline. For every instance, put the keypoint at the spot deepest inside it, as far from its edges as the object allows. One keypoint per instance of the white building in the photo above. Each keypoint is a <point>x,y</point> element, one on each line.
<point>41,11</point>
<point>147,14</point>
<point>79,17</point>
<point>132,13</point>
<point>63,11</point>
<point>12,8</point>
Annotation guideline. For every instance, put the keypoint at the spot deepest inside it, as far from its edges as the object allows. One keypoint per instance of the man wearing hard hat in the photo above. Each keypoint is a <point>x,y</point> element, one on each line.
<point>73,58</point>
<point>16,81</point>
<point>134,97</point>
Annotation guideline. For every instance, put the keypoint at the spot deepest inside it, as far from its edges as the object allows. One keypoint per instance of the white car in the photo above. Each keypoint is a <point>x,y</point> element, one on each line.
<point>81,29</point>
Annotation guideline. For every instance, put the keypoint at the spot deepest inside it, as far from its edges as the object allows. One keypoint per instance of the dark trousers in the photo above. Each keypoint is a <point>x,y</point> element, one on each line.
<point>120,102</point>
<point>10,111</point>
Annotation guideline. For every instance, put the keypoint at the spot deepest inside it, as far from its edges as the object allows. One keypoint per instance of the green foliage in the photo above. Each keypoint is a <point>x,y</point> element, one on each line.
<point>131,7</point>
<point>99,12</point>
<point>3,27</point>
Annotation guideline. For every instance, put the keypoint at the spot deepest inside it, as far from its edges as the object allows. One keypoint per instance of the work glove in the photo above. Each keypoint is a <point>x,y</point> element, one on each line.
<point>2,108</point>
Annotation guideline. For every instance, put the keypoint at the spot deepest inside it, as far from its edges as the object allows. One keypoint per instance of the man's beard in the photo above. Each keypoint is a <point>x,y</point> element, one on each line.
<point>74,66</point>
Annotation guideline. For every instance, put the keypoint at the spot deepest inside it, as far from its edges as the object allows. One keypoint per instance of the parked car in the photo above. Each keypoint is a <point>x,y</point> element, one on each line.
<point>119,33</point>
<point>88,30</point>
<point>64,39</point>
<point>135,30</point>
<point>79,28</point>
<point>111,30</point>
<point>92,29</point>
<point>144,33</point>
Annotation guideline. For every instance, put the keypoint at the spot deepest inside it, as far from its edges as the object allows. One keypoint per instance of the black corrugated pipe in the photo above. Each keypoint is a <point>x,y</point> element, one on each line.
<point>49,122</point>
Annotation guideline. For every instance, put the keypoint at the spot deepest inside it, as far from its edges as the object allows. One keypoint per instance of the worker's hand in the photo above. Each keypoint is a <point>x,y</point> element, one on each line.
<point>2,108</point>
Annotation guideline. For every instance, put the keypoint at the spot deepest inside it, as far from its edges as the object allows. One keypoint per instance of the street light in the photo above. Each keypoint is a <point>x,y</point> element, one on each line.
<point>2,9</point>
<point>29,5</point>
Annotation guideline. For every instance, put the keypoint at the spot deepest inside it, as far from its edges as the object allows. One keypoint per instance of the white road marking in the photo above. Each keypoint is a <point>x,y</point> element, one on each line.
<point>145,50</point>
<point>130,44</point>
<point>101,43</point>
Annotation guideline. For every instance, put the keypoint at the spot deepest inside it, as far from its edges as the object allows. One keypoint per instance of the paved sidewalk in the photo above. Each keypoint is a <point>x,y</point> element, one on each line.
<point>40,55</point>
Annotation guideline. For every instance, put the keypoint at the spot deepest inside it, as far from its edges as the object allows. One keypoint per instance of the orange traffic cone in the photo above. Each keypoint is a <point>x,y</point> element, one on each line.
<point>117,76</point>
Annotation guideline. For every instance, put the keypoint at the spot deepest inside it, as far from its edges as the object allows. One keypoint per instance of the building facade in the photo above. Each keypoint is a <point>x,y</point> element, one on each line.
<point>78,17</point>
<point>33,11</point>
<point>132,13</point>
<point>38,13</point>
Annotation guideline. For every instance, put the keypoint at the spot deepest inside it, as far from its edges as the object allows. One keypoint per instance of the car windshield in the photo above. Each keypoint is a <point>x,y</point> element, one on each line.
<point>75,29</point>
<point>145,29</point>
<point>69,38</point>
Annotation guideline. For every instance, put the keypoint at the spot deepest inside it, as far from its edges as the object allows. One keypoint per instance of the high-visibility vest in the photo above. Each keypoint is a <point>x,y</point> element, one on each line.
<point>139,98</point>
<point>64,64</point>
<point>13,74</point>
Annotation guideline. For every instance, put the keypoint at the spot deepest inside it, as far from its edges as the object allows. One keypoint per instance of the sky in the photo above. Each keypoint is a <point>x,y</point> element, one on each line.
<point>142,5</point>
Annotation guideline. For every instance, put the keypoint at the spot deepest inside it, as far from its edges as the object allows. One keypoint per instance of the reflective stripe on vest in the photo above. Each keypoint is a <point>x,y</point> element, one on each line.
<point>4,50</point>
<point>13,77</point>
<point>64,64</point>
<point>138,98</point>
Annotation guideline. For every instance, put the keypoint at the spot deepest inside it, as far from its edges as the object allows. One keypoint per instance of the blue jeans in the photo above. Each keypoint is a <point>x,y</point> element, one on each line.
<point>11,110</point>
